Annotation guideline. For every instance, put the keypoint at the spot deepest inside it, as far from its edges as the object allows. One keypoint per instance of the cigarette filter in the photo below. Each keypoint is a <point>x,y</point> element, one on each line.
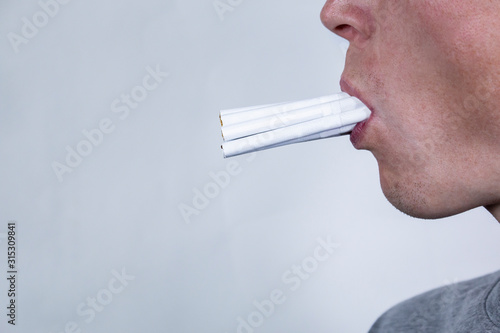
<point>245,130</point>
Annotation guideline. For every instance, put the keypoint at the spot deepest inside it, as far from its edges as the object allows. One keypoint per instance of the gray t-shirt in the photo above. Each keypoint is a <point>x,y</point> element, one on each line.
<point>467,307</point>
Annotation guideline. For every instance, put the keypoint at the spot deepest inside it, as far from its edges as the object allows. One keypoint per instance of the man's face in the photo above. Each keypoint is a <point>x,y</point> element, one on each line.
<point>429,69</point>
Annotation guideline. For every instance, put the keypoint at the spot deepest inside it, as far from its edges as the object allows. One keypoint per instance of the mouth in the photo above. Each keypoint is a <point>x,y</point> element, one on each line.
<point>358,132</point>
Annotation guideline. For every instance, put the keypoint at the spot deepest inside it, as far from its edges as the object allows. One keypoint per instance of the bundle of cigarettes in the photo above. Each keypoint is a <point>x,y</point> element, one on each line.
<point>250,129</point>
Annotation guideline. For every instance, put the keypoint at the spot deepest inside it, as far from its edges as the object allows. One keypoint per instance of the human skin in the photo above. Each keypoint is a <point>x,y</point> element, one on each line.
<point>430,72</point>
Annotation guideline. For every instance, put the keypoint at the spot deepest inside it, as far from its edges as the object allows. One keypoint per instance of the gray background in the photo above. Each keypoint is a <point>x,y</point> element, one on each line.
<point>119,209</point>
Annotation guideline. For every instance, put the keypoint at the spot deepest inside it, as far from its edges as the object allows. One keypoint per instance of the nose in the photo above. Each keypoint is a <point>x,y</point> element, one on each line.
<point>350,19</point>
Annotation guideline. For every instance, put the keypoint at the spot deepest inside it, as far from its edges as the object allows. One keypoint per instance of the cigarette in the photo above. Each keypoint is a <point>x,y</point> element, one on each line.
<point>256,128</point>
<point>224,113</point>
<point>285,135</point>
<point>240,115</point>
<point>288,118</point>
<point>323,135</point>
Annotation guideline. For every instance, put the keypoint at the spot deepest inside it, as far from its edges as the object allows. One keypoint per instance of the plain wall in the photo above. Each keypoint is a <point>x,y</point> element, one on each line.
<point>120,208</point>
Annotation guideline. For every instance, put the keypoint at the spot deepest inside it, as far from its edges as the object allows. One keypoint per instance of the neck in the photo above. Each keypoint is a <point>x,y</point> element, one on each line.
<point>494,210</point>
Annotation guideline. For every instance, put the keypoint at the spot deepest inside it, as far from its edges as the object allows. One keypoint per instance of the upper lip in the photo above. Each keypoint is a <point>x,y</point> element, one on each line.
<point>348,88</point>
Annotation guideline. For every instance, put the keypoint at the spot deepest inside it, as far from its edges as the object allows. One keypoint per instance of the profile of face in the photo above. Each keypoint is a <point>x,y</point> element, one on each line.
<point>430,72</point>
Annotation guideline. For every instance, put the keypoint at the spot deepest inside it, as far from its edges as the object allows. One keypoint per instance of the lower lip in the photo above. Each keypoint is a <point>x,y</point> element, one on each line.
<point>358,132</point>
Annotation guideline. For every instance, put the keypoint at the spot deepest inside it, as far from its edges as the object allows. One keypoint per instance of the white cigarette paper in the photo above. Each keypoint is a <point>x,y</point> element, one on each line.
<point>245,130</point>
<point>240,115</point>
<point>292,117</point>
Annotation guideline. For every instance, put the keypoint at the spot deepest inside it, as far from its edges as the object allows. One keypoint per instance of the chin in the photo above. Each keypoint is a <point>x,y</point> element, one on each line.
<point>415,196</point>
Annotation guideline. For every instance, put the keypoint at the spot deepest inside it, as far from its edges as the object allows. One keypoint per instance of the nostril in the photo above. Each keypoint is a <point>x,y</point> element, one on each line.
<point>345,31</point>
<point>349,20</point>
<point>342,27</point>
